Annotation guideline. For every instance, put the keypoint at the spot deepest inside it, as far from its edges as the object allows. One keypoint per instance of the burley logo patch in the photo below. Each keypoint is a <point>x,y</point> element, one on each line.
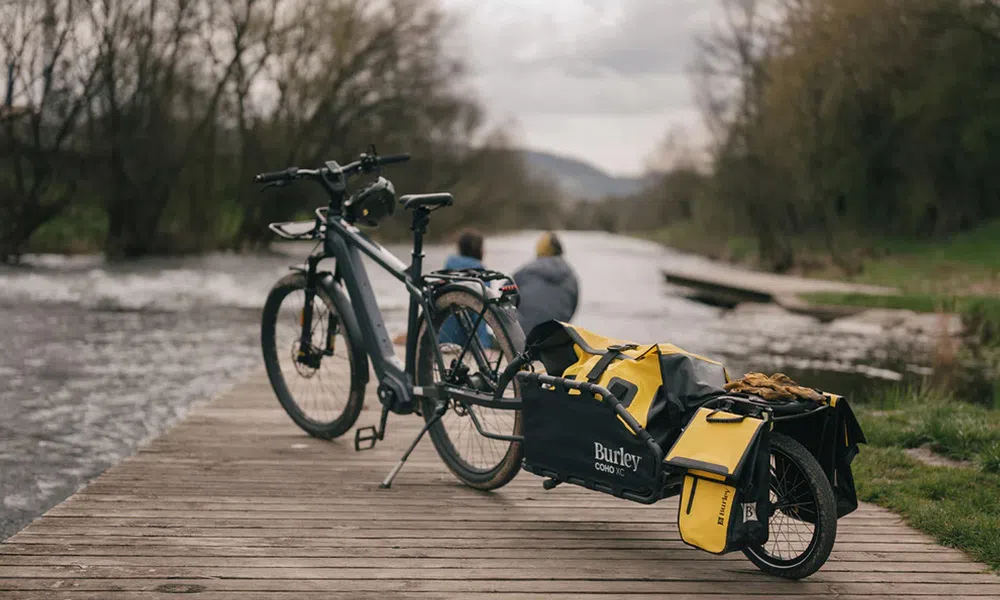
<point>722,509</point>
<point>614,460</point>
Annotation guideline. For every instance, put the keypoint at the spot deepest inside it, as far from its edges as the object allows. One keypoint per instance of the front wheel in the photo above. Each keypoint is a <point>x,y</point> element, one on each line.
<point>321,387</point>
<point>478,461</point>
<point>803,522</point>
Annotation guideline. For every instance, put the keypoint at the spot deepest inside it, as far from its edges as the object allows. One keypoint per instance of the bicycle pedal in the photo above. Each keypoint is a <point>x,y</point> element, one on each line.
<point>367,435</point>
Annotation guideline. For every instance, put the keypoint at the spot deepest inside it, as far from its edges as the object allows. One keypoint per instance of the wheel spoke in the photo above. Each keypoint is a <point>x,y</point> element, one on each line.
<point>790,532</point>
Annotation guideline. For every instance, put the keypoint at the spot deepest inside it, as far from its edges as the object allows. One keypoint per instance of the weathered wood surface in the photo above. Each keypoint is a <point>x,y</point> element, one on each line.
<point>237,503</point>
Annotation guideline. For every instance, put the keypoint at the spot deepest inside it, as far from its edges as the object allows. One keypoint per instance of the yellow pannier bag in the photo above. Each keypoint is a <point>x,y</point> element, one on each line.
<point>631,374</point>
<point>705,511</point>
<point>719,449</point>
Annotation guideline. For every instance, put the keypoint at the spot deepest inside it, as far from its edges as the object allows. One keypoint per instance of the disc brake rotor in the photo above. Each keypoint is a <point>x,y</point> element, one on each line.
<point>305,371</point>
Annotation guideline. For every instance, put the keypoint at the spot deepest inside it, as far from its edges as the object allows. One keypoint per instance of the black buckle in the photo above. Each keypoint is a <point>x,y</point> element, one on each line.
<point>622,347</point>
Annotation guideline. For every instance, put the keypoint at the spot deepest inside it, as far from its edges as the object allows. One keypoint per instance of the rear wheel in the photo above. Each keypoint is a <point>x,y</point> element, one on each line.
<point>324,389</point>
<point>480,462</point>
<point>803,523</point>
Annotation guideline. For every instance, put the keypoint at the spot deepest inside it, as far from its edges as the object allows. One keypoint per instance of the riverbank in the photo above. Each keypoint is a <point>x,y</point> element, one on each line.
<point>936,462</point>
<point>923,276</point>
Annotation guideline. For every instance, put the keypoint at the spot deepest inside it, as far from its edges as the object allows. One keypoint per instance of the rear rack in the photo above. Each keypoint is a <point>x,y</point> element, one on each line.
<point>481,277</point>
<point>755,406</point>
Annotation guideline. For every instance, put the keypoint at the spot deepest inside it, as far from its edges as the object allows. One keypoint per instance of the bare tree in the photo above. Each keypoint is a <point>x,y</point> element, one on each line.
<point>347,73</point>
<point>731,77</point>
<point>158,111</point>
<point>165,71</point>
<point>53,73</point>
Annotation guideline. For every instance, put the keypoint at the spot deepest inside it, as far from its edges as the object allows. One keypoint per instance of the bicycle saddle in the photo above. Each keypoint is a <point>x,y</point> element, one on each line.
<point>416,200</point>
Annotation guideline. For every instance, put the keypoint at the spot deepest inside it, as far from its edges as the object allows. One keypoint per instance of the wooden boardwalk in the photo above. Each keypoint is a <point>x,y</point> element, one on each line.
<point>237,503</point>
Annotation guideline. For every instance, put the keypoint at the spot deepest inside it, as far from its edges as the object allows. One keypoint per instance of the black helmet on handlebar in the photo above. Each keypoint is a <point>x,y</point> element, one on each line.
<point>371,204</point>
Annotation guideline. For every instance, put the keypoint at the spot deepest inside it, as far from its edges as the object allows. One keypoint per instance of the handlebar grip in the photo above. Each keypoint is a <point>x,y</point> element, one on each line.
<point>393,158</point>
<point>287,174</point>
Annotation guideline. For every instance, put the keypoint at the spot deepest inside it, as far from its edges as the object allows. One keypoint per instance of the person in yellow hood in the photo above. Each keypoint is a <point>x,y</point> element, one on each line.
<point>548,286</point>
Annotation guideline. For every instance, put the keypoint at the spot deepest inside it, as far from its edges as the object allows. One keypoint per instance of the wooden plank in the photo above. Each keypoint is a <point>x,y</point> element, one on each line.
<point>366,522</point>
<point>38,554</point>
<point>235,502</point>
<point>459,587</point>
<point>376,595</point>
<point>28,538</point>
<point>626,565</point>
<point>451,568</point>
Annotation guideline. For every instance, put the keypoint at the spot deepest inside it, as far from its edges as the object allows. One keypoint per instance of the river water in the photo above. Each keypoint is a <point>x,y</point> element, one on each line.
<point>97,358</point>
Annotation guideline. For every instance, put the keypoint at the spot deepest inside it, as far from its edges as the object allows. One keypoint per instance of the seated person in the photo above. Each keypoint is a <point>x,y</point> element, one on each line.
<point>470,256</point>
<point>470,251</point>
<point>548,286</point>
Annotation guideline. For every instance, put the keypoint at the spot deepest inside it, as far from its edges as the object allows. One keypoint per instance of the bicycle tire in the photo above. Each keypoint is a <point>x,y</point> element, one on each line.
<point>823,515</point>
<point>507,331</point>
<point>326,429</point>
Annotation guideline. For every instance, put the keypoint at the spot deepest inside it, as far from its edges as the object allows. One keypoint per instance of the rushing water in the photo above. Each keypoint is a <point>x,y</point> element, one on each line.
<point>99,358</point>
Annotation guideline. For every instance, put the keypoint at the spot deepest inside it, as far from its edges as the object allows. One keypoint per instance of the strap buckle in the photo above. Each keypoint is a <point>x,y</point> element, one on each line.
<point>622,347</point>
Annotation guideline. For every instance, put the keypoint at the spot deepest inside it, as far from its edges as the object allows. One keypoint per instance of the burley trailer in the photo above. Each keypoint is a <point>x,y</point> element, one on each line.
<point>769,477</point>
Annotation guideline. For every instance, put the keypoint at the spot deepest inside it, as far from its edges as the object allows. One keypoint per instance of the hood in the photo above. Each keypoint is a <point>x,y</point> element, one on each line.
<point>552,269</point>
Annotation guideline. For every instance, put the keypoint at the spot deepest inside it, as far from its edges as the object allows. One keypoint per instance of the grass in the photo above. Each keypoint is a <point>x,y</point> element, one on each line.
<point>958,430</point>
<point>80,229</point>
<point>917,302</point>
<point>688,237</point>
<point>964,264</point>
<point>957,275</point>
<point>960,507</point>
<point>931,275</point>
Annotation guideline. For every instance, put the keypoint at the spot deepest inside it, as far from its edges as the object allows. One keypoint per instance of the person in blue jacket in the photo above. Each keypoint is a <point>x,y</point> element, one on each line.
<point>470,256</point>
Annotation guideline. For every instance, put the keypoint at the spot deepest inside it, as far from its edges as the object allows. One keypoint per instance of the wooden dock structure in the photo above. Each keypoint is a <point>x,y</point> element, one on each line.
<point>724,285</point>
<point>236,503</point>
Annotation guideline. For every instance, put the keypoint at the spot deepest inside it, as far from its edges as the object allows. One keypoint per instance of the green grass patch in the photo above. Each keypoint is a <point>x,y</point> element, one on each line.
<point>975,247</point>
<point>690,237</point>
<point>80,229</point>
<point>954,429</point>
<point>958,507</point>
<point>915,302</point>
<point>965,264</point>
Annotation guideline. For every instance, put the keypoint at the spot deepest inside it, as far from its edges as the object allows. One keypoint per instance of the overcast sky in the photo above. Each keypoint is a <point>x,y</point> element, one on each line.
<point>601,80</point>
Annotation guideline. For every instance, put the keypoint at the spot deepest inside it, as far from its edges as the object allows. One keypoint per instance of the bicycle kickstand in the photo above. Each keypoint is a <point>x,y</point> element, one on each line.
<point>439,411</point>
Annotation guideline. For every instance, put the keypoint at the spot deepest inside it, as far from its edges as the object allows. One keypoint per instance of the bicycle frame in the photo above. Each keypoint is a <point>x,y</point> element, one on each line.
<point>397,386</point>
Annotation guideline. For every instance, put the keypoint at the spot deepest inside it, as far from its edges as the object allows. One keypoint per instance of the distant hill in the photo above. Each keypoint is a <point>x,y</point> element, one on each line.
<point>579,179</point>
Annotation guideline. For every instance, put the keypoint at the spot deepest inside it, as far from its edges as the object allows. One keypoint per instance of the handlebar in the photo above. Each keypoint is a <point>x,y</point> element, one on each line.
<point>365,163</point>
<point>393,158</point>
